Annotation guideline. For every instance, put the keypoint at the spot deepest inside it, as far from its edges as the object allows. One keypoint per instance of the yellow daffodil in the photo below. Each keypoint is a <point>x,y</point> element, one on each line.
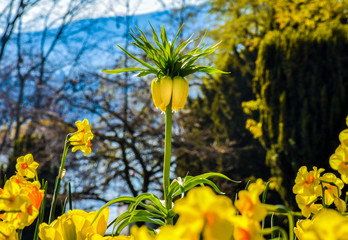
<point>180,92</point>
<point>141,233</point>
<point>175,232</point>
<point>248,202</point>
<point>339,161</point>
<point>303,229</point>
<point>26,166</point>
<point>329,224</point>
<point>96,236</point>
<point>30,189</point>
<point>332,188</point>
<point>75,225</point>
<point>7,231</point>
<point>340,205</point>
<point>204,212</point>
<point>19,209</point>
<point>307,205</point>
<point>343,137</point>
<point>306,182</point>
<point>249,205</point>
<point>246,229</point>
<point>81,140</point>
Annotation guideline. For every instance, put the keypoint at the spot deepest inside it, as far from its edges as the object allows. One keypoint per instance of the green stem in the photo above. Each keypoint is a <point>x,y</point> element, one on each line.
<point>167,158</point>
<point>58,179</point>
<point>291,225</point>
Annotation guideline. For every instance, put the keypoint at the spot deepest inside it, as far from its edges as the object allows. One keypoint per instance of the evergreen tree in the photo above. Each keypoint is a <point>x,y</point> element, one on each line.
<point>290,56</point>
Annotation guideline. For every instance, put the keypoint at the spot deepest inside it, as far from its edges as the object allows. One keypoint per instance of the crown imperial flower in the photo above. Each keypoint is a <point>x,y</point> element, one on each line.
<point>171,66</point>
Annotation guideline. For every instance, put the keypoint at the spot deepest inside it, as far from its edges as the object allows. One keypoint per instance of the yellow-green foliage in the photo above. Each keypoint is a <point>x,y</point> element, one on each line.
<point>301,81</point>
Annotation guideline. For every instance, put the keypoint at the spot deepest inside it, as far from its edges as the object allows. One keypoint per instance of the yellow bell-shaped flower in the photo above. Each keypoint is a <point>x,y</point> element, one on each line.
<point>75,225</point>
<point>180,92</point>
<point>162,92</point>
<point>155,91</point>
<point>166,84</point>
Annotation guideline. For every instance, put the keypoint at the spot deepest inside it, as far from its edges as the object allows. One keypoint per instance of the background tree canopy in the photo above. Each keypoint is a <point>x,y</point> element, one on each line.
<point>289,56</point>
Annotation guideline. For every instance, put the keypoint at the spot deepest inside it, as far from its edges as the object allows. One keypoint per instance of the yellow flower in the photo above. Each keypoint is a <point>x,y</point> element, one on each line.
<point>26,166</point>
<point>307,205</point>
<point>246,229</point>
<point>180,92</point>
<point>248,202</point>
<point>306,182</point>
<point>249,205</point>
<point>30,189</point>
<point>204,212</point>
<point>330,190</point>
<point>303,229</point>
<point>161,90</point>
<point>81,140</point>
<point>339,161</point>
<point>96,236</point>
<point>75,225</point>
<point>141,233</point>
<point>343,137</point>
<point>7,231</point>
<point>19,209</point>
<point>175,232</point>
<point>156,94</point>
<point>167,89</point>
<point>340,205</point>
<point>330,225</point>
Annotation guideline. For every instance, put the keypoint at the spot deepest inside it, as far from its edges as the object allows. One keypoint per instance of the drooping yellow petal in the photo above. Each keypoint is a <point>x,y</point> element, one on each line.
<point>180,92</point>
<point>156,92</point>
<point>166,89</point>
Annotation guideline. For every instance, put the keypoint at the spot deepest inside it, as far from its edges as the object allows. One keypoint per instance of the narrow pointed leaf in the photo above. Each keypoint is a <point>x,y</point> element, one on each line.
<point>121,70</point>
<point>137,59</point>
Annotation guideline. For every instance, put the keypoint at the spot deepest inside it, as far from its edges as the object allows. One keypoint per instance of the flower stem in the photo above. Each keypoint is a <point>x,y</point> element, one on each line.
<point>58,179</point>
<point>167,158</point>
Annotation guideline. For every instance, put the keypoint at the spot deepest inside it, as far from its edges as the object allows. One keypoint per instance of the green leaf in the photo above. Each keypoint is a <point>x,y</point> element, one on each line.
<point>195,183</point>
<point>150,197</point>
<point>264,195</point>
<point>128,218</point>
<point>137,59</point>
<point>175,38</point>
<point>179,186</point>
<point>144,73</point>
<point>121,70</point>
<point>215,174</point>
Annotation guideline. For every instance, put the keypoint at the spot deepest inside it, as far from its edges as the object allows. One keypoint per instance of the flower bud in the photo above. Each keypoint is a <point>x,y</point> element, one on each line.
<point>180,92</point>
